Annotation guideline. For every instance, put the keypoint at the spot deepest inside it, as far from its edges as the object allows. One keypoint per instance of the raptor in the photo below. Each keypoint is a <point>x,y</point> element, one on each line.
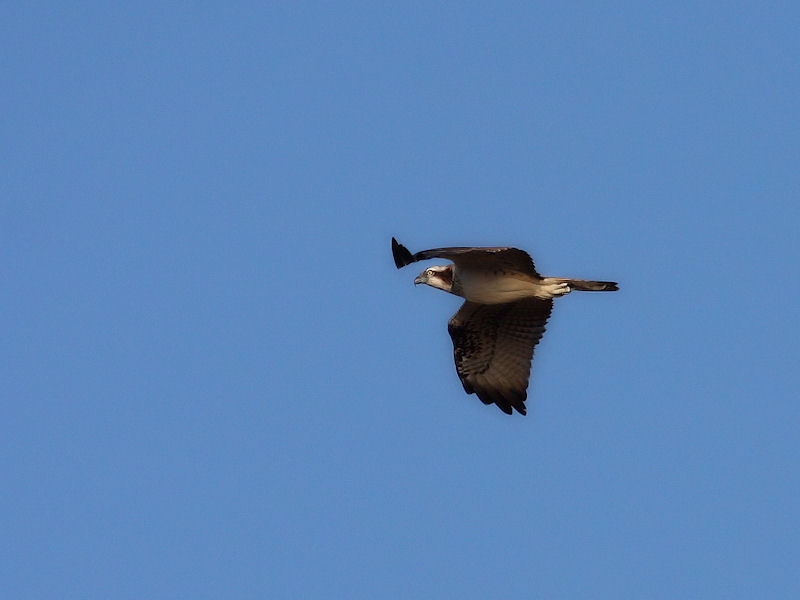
<point>507,304</point>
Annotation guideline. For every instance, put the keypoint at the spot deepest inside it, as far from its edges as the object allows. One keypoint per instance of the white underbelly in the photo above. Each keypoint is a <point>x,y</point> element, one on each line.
<point>496,289</point>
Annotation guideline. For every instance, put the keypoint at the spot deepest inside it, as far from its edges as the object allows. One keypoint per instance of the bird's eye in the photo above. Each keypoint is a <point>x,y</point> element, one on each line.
<point>430,272</point>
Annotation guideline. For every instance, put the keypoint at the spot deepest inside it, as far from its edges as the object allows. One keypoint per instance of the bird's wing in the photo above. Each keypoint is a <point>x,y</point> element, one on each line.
<point>490,259</point>
<point>493,347</point>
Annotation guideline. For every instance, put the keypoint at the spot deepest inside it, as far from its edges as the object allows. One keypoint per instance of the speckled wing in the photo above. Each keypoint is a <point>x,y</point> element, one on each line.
<point>477,258</point>
<point>493,347</point>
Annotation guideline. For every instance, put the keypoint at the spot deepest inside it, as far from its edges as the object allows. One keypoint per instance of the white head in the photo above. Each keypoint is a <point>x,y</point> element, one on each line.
<point>439,276</point>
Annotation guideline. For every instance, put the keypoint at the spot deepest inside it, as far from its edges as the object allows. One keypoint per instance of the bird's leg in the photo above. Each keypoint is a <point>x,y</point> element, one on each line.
<point>554,288</point>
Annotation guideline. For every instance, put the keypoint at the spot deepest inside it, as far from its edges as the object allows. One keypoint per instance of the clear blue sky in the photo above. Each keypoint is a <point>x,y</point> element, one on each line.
<point>215,384</point>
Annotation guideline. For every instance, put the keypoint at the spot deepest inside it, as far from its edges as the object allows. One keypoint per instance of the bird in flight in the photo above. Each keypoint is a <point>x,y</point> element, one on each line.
<point>503,318</point>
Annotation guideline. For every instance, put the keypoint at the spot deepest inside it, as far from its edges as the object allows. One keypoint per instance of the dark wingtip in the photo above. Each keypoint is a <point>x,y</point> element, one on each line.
<point>506,401</point>
<point>505,407</point>
<point>518,402</point>
<point>402,256</point>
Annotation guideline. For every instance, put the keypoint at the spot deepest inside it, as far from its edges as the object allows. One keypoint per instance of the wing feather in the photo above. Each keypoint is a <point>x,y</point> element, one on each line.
<point>490,259</point>
<point>493,348</point>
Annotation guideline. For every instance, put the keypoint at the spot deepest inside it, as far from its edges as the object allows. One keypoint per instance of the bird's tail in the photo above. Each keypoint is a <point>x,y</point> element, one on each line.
<point>592,286</point>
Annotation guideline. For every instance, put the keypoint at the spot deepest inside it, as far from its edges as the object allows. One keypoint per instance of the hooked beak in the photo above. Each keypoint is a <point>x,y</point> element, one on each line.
<point>419,279</point>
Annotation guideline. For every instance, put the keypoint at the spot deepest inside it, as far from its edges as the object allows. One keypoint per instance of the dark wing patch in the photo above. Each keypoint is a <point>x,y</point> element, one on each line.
<point>402,256</point>
<point>490,259</point>
<point>493,347</point>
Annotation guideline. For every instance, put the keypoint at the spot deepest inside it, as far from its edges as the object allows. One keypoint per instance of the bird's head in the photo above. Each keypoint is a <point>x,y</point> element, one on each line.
<point>439,276</point>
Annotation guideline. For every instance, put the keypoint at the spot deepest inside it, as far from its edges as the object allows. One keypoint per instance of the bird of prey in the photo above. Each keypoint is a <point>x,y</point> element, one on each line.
<point>504,316</point>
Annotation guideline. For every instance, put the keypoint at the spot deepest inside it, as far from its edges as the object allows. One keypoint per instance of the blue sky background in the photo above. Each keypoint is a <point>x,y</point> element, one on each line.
<point>216,384</point>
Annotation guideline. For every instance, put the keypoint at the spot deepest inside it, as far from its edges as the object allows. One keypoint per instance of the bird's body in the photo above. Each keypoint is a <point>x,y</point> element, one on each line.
<point>491,287</point>
<point>504,316</point>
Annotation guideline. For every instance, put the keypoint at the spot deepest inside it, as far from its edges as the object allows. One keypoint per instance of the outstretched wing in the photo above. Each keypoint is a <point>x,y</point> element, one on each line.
<point>490,259</point>
<point>493,347</point>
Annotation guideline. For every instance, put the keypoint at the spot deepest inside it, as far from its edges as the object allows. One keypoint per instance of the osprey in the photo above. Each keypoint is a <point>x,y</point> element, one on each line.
<point>504,316</point>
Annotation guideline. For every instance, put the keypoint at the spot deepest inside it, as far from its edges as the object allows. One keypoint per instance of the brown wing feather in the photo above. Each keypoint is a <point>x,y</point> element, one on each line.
<point>490,259</point>
<point>493,347</point>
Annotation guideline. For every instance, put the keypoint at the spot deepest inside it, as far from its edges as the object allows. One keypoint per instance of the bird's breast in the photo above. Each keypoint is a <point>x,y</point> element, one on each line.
<point>493,287</point>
